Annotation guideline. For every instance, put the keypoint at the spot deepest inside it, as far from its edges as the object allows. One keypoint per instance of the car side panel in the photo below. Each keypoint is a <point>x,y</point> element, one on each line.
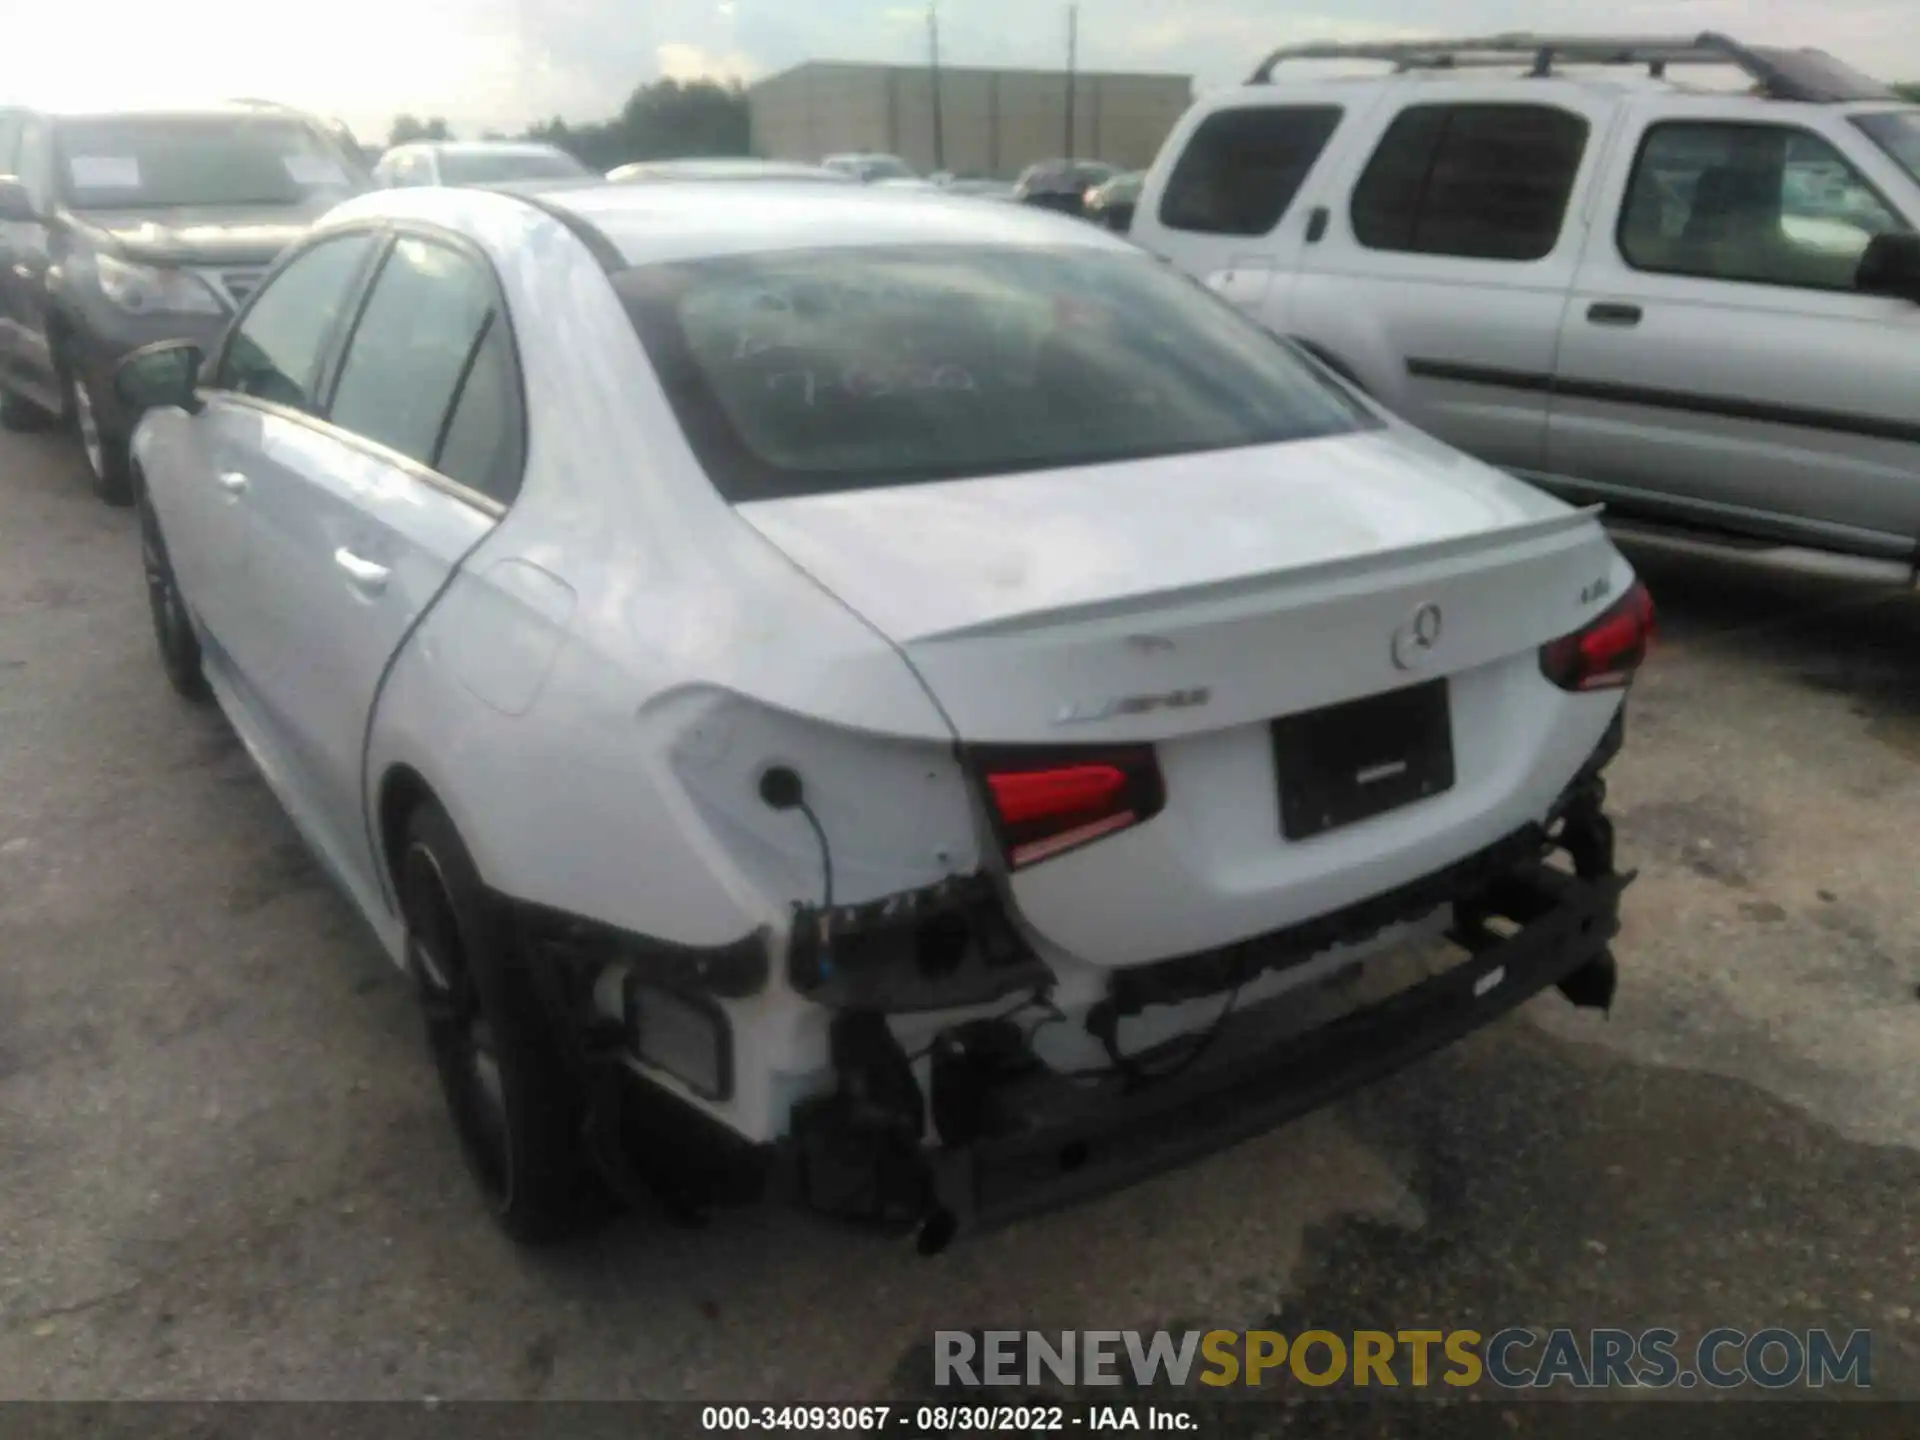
<point>1764,408</point>
<point>1463,348</point>
<point>183,459</point>
<point>351,546</point>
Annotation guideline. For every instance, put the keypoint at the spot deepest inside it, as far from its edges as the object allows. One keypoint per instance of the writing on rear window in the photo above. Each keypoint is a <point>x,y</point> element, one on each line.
<point>801,371</point>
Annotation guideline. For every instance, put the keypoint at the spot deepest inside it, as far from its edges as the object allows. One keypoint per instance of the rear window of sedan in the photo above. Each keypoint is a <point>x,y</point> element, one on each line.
<point>801,372</point>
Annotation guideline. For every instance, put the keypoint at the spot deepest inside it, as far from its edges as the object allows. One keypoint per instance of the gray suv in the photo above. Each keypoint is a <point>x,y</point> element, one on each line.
<point>121,229</point>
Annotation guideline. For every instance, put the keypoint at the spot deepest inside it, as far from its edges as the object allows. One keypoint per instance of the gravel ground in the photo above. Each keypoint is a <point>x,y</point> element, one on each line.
<point>227,1175</point>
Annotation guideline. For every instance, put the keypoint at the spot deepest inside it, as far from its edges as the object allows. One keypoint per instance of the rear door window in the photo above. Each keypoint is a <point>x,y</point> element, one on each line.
<point>1241,168</point>
<point>1483,182</point>
<point>422,336</point>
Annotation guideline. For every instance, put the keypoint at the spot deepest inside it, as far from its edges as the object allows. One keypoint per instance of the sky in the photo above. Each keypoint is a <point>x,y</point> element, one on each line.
<point>504,63</point>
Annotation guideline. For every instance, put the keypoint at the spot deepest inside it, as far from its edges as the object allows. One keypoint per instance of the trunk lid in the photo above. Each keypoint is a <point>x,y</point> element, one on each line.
<point>1273,579</point>
<point>1191,602</point>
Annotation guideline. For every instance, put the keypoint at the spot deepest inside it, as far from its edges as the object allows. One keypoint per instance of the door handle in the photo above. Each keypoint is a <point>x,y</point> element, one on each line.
<point>233,482</point>
<point>1316,224</point>
<point>1605,313</point>
<point>367,577</point>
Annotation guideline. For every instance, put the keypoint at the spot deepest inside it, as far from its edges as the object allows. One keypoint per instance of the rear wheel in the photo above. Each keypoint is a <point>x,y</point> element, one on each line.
<point>515,1110</point>
<point>108,463</point>
<point>172,627</point>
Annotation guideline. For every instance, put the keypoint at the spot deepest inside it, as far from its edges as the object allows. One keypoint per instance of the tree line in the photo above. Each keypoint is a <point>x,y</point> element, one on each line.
<point>661,120</point>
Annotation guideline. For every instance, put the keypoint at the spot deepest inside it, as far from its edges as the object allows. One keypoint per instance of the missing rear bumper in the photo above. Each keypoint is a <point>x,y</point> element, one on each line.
<point>1055,1141</point>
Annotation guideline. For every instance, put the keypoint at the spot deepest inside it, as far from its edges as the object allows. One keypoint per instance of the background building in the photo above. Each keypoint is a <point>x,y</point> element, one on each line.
<point>992,122</point>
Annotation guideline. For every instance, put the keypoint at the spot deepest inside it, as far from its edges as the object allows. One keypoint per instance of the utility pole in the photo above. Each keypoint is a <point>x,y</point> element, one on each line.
<point>1073,52</point>
<point>933,73</point>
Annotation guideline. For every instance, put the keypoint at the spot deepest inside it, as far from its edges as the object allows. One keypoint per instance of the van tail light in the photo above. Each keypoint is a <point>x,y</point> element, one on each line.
<point>1605,654</point>
<point>1045,803</point>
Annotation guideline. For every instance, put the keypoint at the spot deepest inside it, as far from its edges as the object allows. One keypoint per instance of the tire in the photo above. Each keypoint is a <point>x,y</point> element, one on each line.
<point>109,464</point>
<point>20,414</point>
<point>517,1114</point>
<point>172,627</point>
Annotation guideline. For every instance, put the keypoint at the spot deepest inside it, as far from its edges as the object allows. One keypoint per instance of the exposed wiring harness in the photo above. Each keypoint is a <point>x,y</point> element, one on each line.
<point>1104,1024</point>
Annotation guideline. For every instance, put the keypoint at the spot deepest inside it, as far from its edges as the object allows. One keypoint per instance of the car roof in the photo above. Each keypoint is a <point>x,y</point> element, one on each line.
<point>209,110</point>
<point>1481,86</point>
<point>724,167</point>
<point>482,147</point>
<point>690,220</point>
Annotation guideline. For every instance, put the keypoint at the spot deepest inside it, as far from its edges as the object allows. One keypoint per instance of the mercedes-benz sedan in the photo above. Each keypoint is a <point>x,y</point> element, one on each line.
<point>907,701</point>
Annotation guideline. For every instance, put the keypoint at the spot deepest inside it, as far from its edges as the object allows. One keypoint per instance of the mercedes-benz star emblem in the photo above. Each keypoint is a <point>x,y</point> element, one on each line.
<point>1413,642</point>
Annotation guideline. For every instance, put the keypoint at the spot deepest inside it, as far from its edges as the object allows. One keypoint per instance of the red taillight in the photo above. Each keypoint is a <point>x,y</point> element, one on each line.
<point>1044,805</point>
<point>1605,654</point>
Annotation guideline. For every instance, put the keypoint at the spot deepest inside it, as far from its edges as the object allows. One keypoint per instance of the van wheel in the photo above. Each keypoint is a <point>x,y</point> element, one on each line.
<point>172,626</point>
<point>516,1112</point>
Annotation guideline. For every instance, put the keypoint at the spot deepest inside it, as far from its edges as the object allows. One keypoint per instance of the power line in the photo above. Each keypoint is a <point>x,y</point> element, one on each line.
<point>933,70</point>
<point>1073,54</point>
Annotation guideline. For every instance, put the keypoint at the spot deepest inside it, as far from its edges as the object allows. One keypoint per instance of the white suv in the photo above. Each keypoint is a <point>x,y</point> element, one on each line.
<point>1700,307</point>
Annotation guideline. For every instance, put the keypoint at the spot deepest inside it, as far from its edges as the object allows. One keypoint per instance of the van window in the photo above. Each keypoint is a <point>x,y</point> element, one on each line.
<point>1485,182</point>
<point>1242,167</point>
<point>1763,204</point>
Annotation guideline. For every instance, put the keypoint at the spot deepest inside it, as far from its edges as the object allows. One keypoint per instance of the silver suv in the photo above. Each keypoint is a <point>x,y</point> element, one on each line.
<point>1698,305</point>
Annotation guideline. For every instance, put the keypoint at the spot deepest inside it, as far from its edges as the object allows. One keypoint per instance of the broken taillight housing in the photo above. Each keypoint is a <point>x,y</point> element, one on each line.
<point>1045,803</point>
<point>1604,654</point>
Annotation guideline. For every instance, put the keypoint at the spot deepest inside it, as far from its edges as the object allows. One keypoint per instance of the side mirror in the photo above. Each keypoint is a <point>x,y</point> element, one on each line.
<point>16,204</point>
<point>1891,266</point>
<point>159,375</point>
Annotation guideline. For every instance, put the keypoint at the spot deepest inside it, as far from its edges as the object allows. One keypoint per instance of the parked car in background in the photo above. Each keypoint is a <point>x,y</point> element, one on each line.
<point>940,713</point>
<point>1699,307</point>
<point>869,168</point>
<point>721,167</point>
<point>120,229</point>
<point>1111,204</point>
<point>980,187</point>
<point>475,162</point>
<point>1061,185</point>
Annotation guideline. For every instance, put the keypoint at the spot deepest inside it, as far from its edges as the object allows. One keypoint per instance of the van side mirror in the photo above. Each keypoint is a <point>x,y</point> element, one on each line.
<point>16,205</point>
<point>159,375</point>
<point>1891,266</point>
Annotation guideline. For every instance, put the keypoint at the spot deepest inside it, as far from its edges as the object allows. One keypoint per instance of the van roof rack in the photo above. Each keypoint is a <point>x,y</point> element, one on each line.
<point>1805,75</point>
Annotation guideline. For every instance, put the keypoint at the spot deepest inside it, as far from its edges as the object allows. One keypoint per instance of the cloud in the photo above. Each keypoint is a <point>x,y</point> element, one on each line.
<point>690,62</point>
<point>503,63</point>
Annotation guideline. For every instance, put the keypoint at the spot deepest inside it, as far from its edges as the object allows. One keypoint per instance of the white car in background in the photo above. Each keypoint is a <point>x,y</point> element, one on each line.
<point>868,168</point>
<point>724,167</point>
<point>474,162</point>
<point>903,698</point>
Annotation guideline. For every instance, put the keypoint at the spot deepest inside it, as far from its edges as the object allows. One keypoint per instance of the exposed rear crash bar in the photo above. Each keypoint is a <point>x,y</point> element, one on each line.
<point>1565,925</point>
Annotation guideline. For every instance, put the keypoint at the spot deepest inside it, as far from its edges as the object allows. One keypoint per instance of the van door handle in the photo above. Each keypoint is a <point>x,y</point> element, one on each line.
<point>1316,224</point>
<point>367,577</point>
<point>1605,313</point>
<point>233,482</point>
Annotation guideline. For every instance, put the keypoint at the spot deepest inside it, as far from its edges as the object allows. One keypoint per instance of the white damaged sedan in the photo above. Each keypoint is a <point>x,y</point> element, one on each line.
<point>906,704</point>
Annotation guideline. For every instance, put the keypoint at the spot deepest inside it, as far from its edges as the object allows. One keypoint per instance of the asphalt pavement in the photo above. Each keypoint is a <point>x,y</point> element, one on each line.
<point>224,1170</point>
